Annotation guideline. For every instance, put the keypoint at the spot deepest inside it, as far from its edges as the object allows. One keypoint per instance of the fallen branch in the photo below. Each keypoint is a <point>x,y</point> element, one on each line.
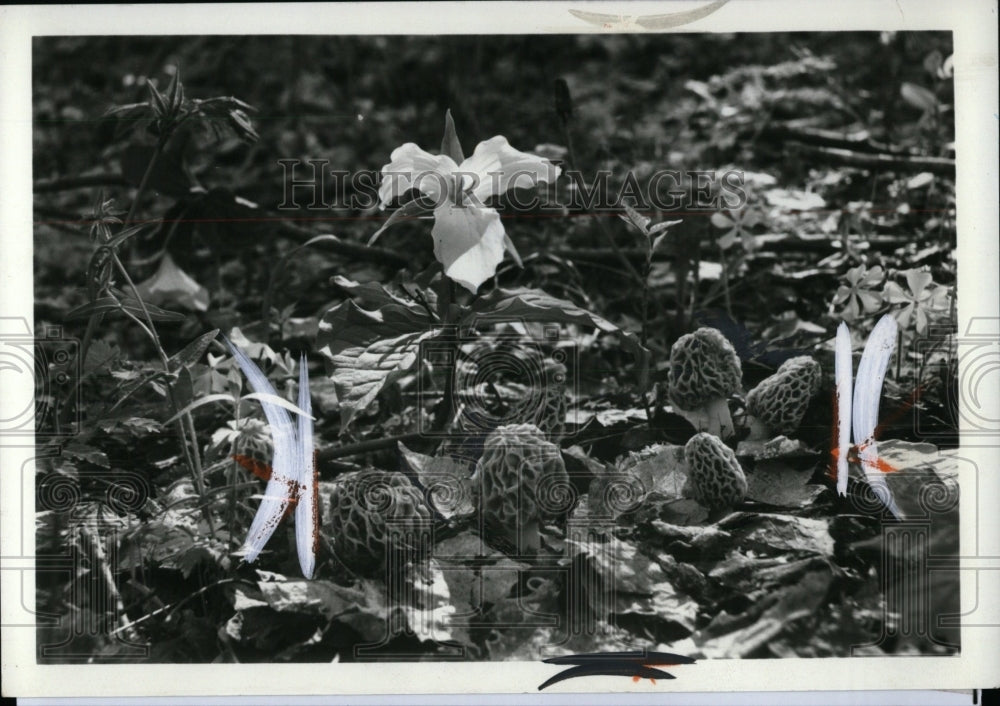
<point>786,244</point>
<point>909,163</point>
<point>365,446</point>
<point>860,140</point>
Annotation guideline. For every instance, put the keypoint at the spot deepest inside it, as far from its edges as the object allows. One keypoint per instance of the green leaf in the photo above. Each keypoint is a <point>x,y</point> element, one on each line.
<point>110,305</point>
<point>242,126</point>
<point>371,293</point>
<point>450,144</point>
<point>170,285</point>
<point>563,100</point>
<point>183,387</point>
<point>156,100</point>
<point>360,373</point>
<point>201,402</point>
<point>536,305</point>
<point>175,93</point>
<point>313,597</point>
<point>279,401</point>
<point>367,350</point>
<point>193,351</point>
<point>447,482</point>
<point>100,356</point>
<point>636,219</point>
<point>84,452</point>
<point>919,97</point>
<point>509,245</point>
<point>410,209</point>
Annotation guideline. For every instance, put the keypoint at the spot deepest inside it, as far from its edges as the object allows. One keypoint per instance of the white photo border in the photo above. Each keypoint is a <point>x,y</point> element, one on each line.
<point>974,27</point>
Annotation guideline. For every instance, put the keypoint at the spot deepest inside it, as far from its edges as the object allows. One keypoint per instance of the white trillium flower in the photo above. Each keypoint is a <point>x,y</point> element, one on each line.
<point>469,239</point>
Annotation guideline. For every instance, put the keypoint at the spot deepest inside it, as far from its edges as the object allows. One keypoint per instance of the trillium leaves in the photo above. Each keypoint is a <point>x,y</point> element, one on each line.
<point>369,348</point>
<point>535,305</point>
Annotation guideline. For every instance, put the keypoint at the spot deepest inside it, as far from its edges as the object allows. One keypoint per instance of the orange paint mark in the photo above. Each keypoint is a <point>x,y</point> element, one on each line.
<point>853,457</point>
<point>258,468</point>
<point>290,509</point>
<point>831,471</point>
<point>852,453</point>
<point>896,414</point>
<point>315,502</point>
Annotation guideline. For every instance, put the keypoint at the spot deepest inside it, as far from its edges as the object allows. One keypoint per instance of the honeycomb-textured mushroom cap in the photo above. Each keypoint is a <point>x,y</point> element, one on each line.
<point>552,416</point>
<point>811,367</point>
<point>704,371</point>
<point>716,479</point>
<point>372,511</point>
<point>521,480</point>
<point>780,401</point>
<point>486,406</point>
<point>703,366</point>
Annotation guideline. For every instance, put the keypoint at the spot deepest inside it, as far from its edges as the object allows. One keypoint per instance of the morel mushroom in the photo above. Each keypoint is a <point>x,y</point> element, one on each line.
<point>374,513</point>
<point>715,478</point>
<point>486,406</point>
<point>520,481</point>
<point>704,371</point>
<point>552,413</point>
<point>814,372</point>
<point>778,404</point>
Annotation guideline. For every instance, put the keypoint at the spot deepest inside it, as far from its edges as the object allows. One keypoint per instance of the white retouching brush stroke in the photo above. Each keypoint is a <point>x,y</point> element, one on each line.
<point>306,515</point>
<point>284,479</point>
<point>867,391</point>
<point>843,372</point>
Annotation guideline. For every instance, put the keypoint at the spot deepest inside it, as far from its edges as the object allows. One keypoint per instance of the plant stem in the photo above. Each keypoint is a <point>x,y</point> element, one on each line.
<point>96,318</point>
<point>572,164</point>
<point>185,424</point>
<point>445,298</point>
<point>725,281</point>
<point>644,332</point>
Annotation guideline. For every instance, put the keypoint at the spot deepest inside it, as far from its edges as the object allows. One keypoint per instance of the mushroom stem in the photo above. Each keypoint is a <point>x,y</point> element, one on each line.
<point>713,417</point>
<point>526,537</point>
<point>758,430</point>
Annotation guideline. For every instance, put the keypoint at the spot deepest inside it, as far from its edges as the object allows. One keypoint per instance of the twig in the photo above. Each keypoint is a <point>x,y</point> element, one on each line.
<point>605,231</point>
<point>178,604</point>
<point>347,248</point>
<point>361,447</point>
<point>97,552</point>
<point>45,186</point>
<point>836,155</point>
<point>858,141</point>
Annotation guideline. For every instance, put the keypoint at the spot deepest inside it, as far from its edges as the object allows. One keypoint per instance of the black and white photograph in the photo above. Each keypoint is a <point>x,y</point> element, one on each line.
<point>622,351</point>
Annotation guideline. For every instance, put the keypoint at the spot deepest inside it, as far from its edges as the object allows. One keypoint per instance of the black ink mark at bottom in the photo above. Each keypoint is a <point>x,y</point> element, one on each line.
<point>638,665</point>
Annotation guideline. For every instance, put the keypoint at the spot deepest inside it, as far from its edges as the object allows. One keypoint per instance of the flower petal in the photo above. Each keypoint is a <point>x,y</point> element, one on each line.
<point>855,274</point>
<point>895,294</point>
<point>411,167</point>
<point>501,167</point>
<point>469,242</point>
<point>870,301</point>
<point>873,276</point>
<point>917,281</point>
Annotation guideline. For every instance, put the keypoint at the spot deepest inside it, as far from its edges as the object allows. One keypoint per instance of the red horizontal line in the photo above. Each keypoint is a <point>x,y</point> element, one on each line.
<point>335,219</point>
